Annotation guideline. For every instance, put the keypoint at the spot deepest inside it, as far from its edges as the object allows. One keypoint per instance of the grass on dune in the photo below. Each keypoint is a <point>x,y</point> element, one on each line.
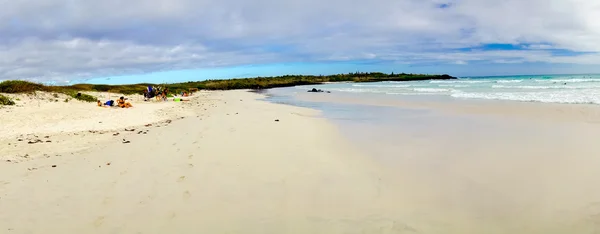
<point>6,101</point>
<point>18,86</point>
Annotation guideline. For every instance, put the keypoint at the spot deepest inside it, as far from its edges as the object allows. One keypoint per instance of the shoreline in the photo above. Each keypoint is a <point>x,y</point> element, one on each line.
<point>516,167</point>
<point>204,174</point>
<point>539,111</point>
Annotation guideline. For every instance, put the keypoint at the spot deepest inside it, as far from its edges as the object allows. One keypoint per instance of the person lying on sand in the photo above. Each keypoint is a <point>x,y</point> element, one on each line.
<point>108,103</point>
<point>121,103</point>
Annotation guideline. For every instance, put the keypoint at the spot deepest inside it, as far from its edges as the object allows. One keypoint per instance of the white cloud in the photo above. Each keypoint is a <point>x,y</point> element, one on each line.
<point>66,40</point>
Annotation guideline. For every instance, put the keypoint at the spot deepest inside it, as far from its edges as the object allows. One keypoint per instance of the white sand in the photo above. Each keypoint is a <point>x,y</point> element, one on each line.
<point>47,117</point>
<point>229,167</point>
<point>42,113</point>
<point>233,170</point>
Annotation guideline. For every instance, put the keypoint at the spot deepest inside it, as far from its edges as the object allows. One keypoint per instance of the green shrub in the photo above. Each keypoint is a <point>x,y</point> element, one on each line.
<point>101,88</point>
<point>85,97</point>
<point>15,86</point>
<point>6,101</point>
<point>19,86</point>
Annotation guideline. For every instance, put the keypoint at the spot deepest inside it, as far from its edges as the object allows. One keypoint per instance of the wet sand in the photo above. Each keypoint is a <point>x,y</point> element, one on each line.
<point>488,166</point>
<point>507,109</point>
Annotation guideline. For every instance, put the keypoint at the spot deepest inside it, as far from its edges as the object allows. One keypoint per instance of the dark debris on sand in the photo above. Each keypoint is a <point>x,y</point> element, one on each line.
<point>35,141</point>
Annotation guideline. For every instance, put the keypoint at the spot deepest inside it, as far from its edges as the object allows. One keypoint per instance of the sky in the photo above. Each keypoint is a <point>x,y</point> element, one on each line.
<point>116,41</point>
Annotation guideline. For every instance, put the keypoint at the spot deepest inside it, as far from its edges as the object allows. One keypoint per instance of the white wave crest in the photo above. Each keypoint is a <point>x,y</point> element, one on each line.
<point>411,94</point>
<point>431,90</point>
<point>567,80</point>
<point>459,81</point>
<point>357,90</point>
<point>454,86</point>
<point>509,81</point>
<point>381,86</point>
<point>527,87</point>
<point>578,97</point>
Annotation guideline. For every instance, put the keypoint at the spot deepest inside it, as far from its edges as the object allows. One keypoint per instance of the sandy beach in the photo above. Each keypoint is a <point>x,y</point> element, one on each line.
<point>238,165</point>
<point>229,162</point>
<point>43,124</point>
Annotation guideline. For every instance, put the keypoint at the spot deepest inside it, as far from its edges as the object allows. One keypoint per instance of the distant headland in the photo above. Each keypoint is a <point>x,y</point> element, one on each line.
<point>17,86</point>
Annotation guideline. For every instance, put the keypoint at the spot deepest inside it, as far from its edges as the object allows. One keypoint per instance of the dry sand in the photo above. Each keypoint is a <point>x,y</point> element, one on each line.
<point>44,125</point>
<point>231,168</point>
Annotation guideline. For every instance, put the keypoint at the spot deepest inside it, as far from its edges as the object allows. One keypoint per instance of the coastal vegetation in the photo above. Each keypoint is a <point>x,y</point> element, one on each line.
<point>18,86</point>
<point>6,101</point>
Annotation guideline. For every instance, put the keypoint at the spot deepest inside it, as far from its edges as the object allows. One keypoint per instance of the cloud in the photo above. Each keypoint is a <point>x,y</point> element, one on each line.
<point>60,40</point>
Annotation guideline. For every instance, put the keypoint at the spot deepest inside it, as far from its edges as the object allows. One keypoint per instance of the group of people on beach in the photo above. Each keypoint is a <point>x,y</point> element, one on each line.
<point>120,103</point>
<point>160,93</point>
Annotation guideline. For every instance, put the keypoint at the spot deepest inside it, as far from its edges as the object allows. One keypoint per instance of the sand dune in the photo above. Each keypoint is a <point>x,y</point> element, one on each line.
<point>43,124</point>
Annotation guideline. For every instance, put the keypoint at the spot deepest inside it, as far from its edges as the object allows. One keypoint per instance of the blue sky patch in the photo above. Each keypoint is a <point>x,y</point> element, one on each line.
<point>488,47</point>
<point>444,5</point>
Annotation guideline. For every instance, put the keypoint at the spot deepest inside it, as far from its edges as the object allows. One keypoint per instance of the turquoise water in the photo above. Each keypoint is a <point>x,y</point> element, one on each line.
<point>574,89</point>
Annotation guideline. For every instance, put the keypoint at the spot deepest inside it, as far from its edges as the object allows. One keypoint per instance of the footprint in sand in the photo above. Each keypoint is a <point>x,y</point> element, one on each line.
<point>181,179</point>
<point>107,201</point>
<point>592,212</point>
<point>191,165</point>
<point>172,215</point>
<point>99,221</point>
<point>399,227</point>
<point>187,194</point>
<point>123,172</point>
<point>190,156</point>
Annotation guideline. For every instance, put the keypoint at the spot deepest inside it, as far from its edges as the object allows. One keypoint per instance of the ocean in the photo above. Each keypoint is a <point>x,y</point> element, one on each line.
<point>573,89</point>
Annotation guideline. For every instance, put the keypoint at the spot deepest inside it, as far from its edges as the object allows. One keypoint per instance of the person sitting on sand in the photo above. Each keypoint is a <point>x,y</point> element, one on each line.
<point>164,94</point>
<point>146,94</point>
<point>121,103</point>
<point>158,94</point>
